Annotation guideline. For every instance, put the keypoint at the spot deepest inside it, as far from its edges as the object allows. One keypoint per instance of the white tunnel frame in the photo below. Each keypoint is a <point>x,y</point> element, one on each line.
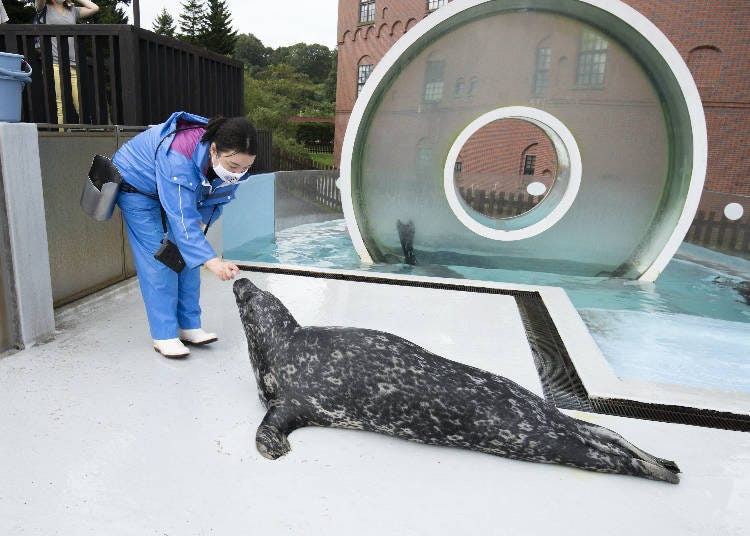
<point>564,188</point>
<point>622,11</point>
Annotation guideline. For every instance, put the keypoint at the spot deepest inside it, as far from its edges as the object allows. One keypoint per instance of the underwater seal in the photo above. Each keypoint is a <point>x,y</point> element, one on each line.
<point>364,379</point>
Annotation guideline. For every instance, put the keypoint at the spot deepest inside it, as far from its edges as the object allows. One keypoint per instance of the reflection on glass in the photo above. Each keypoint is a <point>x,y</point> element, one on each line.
<point>433,84</point>
<point>499,162</point>
<point>625,116</point>
<point>541,73</point>
<point>592,60</point>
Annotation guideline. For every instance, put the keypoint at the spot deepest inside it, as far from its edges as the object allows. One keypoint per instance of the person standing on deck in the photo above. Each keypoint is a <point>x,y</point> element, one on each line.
<point>64,12</point>
<point>178,176</point>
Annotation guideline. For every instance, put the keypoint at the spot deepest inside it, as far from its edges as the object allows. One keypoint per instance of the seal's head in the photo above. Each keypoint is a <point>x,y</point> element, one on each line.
<point>263,315</point>
<point>244,289</point>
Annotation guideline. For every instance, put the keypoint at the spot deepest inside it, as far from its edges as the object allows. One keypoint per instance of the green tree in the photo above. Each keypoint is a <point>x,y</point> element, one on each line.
<point>285,81</point>
<point>110,12</point>
<point>331,79</point>
<point>278,56</point>
<point>192,21</point>
<point>251,51</point>
<point>218,34</point>
<point>164,24</point>
<point>313,60</point>
<point>280,91</point>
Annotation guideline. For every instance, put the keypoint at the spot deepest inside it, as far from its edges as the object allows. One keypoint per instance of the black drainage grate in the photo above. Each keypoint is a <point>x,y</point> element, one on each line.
<point>560,382</point>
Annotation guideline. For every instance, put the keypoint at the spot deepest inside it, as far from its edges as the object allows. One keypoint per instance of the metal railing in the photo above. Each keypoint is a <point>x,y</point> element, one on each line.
<point>125,75</point>
<point>86,256</point>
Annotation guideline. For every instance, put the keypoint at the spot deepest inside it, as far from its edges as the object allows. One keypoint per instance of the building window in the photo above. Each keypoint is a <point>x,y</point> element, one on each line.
<point>592,60</point>
<point>432,5</point>
<point>433,84</point>
<point>366,11</point>
<point>541,70</point>
<point>363,73</point>
<point>458,168</point>
<point>460,83</point>
<point>473,85</point>
<point>529,162</point>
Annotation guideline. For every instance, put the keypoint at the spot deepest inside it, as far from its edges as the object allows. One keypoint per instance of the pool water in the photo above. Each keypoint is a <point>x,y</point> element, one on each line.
<point>690,327</point>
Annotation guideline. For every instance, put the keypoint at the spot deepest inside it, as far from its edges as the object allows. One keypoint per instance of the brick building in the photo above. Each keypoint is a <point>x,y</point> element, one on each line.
<point>712,36</point>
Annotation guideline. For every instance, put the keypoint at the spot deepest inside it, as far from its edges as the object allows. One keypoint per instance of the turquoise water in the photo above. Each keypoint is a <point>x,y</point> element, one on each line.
<point>691,327</point>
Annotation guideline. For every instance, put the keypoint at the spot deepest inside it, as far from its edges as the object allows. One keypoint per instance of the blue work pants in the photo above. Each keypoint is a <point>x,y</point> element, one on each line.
<point>172,300</point>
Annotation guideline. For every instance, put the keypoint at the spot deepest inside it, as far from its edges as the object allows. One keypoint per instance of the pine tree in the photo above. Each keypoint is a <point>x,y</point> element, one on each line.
<point>164,24</point>
<point>218,34</point>
<point>109,12</point>
<point>192,21</point>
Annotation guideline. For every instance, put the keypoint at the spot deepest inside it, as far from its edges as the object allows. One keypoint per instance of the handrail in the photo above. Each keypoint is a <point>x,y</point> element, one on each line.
<point>122,74</point>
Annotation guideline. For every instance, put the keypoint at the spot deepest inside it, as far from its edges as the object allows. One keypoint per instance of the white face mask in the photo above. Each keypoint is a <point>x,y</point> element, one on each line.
<point>225,175</point>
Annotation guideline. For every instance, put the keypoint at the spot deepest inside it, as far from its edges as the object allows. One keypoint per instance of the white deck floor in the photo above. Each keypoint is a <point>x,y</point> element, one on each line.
<point>100,435</point>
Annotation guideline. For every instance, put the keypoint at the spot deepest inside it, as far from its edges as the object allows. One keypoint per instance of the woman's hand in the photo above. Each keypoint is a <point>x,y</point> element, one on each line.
<point>223,270</point>
<point>88,8</point>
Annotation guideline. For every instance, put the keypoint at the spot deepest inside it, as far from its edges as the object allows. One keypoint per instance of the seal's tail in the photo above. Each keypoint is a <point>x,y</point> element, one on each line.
<point>642,462</point>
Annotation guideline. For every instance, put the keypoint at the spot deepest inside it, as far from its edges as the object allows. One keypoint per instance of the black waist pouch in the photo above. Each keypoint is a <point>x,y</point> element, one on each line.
<point>169,255</point>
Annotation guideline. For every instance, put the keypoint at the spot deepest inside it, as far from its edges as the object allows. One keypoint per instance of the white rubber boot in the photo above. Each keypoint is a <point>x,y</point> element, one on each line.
<point>197,336</point>
<point>172,348</point>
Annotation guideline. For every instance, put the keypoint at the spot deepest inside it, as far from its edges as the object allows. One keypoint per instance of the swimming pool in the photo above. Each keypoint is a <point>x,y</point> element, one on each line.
<point>690,327</point>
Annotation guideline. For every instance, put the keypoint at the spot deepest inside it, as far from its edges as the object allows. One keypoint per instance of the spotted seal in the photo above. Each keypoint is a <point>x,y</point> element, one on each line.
<point>364,379</point>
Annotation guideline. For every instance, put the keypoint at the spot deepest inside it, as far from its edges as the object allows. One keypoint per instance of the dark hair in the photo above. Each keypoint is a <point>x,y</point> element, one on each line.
<point>236,134</point>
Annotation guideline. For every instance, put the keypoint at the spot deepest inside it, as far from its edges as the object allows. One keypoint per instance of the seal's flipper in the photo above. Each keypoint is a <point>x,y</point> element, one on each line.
<point>638,453</point>
<point>406,236</point>
<point>613,444</point>
<point>271,437</point>
<point>271,443</point>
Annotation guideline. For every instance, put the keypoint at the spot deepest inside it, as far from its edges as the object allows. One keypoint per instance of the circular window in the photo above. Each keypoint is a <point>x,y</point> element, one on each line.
<point>505,168</point>
<point>512,173</point>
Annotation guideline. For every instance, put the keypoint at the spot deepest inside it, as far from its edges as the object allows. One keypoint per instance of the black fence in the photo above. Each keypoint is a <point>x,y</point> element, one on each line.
<point>125,75</point>
<point>498,204</point>
<point>715,231</point>
<point>264,160</point>
<point>319,148</point>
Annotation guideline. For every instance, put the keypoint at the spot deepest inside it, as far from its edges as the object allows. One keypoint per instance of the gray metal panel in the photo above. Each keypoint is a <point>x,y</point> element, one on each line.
<point>7,329</point>
<point>5,326</point>
<point>85,255</point>
<point>26,257</point>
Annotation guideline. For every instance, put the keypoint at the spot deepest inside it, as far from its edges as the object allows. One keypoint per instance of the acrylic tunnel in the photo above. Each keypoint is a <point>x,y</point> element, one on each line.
<point>562,136</point>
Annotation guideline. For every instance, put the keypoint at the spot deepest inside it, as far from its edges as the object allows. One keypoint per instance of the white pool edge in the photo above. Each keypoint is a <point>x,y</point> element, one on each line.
<point>593,369</point>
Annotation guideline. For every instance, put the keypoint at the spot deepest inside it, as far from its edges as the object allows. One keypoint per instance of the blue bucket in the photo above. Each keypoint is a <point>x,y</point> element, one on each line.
<point>15,72</point>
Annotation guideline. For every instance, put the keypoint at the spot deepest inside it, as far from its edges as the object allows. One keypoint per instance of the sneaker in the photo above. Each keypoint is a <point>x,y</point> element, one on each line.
<point>197,336</point>
<point>171,348</point>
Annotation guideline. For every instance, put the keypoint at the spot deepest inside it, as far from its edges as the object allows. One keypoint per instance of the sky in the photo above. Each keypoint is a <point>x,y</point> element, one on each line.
<point>275,22</point>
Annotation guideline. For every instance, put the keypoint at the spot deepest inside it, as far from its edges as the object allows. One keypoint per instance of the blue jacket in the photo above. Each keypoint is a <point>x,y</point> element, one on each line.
<point>188,197</point>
